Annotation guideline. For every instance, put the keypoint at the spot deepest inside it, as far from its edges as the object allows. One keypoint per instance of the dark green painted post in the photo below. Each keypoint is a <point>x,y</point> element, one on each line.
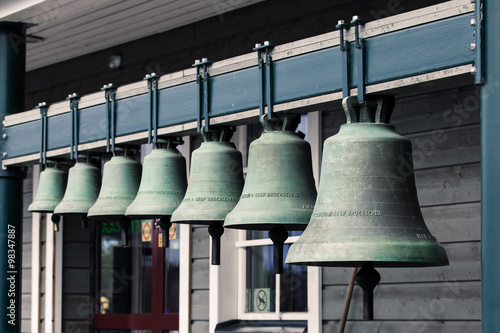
<point>12,68</point>
<point>490,171</point>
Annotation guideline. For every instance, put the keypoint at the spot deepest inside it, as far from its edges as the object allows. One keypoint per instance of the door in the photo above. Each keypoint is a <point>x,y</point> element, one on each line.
<point>137,286</point>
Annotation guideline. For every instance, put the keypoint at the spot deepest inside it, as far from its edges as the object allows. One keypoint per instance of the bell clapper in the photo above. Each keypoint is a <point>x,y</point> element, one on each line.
<point>278,235</point>
<point>124,224</point>
<point>164,223</point>
<point>55,219</point>
<point>215,230</point>
<point>367,278</point>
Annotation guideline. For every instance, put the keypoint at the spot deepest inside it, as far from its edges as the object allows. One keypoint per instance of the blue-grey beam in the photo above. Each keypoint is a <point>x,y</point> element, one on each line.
<point>399,54</point>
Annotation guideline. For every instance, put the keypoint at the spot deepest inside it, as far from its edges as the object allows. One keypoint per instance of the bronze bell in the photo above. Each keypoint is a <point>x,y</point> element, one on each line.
<point>50,189</point>
<point>84,182</point>
<point>214,186</point>
<point>367,212</point>
<point>163,185</point>
<point>280,191</point>
<point>120,181</point>
<point>50,192</point>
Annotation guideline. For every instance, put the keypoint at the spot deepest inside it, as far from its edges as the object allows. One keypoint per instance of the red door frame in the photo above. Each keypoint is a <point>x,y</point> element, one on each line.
<point>157,321</point>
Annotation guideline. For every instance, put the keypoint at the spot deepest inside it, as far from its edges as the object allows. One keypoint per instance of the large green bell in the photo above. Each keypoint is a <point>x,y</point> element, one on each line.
<point>214,186</point>
<point>280,191</point>
<point>84,182</point>
<point>120,181</point>
<point>50,189</point>
<point>367,208</point>
<point>367,212</point>
<point>163,185</point>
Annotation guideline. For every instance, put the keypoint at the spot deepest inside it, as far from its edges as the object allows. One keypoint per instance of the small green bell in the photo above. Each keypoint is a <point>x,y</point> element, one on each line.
<point>50,189</point>
<point>120,182</point>
<point>84,181</point>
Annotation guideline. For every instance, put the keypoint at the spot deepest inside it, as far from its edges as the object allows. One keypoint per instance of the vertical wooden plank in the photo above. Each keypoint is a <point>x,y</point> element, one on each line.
<point>36,259</point>
<point>315,139</point>
<point>185,258</point>
<point>49,275</point>
<point>314,274</point>
<point>58,278</point>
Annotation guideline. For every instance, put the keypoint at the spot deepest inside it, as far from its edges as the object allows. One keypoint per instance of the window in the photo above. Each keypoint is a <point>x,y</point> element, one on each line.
<point>267,295</point>
<point>137,286</point>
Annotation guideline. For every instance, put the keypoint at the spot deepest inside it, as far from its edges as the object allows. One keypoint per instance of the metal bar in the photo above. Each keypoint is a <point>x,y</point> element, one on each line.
<point>490,177</point>
<point>72,128</point>
<point>76,130</point>
<point>199,95</point>
<point>73,104</point>
<point>206,98</point>
<point>155,109</point>
<point>106,96</point>
<point>153,106</point>
<point>150,92</point>
<point>360,59</point>
<point>262,78</point>
<point>110,97</point>
<point>43,130</point>
<point>345,50</point>
<point>478,46</point>
<point>269,81</point>
<point>113,121</point>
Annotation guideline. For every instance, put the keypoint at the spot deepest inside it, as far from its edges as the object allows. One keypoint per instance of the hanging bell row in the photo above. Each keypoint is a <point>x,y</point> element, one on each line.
<point>359,215</point>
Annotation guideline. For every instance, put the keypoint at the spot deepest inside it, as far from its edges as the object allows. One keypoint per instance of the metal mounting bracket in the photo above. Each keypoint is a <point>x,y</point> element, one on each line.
<point>360,57</point>
<point>203,81</point>
<point>153,107</point>
<point>43,141</point>
<point>110,96</point>
<point>73,105</point>
<point>265,60</point>
<point>345,50</point>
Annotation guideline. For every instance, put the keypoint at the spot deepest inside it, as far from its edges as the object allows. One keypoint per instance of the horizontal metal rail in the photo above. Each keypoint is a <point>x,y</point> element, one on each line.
<point>421,46</point>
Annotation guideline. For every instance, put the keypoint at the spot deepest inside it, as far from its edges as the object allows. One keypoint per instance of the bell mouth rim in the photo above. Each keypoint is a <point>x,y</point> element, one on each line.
<point>368,124</point>
<point>376,263</point>
<point>267,226</point>
<point>41,210</point>
<point>199,222</point>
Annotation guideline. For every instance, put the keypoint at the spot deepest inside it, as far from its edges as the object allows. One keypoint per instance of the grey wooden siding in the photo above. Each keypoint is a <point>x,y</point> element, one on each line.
<point>200,279</point>
<point>27,253</point>
<point>445,133</point>
<point>76,310</point>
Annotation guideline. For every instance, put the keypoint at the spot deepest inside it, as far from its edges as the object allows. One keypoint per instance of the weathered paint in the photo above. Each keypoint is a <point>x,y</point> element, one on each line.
<point>12,67</point>
<point>490,177</point>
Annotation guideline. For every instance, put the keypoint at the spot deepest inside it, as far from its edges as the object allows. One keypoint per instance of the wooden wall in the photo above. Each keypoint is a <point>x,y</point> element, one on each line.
<point>77,277</point>
<point>445,133</point>
<point>27,253</point>
<point>200,281</point>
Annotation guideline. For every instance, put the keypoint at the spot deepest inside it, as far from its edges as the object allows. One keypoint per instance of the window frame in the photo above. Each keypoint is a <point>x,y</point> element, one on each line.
<point>241,245</point>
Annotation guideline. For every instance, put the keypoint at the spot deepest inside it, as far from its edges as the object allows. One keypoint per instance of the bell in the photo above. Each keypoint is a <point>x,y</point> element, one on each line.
<point>120,182</point>
<point>84,181</point>
<point>163,184</point>
<point>50,189</point>
<point>214,186</point>
<point>367,211</point>
<point>279,192</point>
